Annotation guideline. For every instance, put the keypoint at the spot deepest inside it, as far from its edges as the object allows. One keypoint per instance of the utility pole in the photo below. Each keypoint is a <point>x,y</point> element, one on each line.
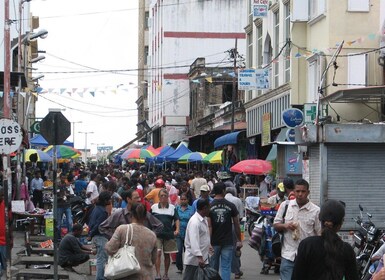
<point>234,54</point>
<point>7,115</point>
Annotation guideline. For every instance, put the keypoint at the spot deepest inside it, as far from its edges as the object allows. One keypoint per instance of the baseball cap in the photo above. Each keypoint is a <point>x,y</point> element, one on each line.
<point>281,187</point>
<point>204,188</point>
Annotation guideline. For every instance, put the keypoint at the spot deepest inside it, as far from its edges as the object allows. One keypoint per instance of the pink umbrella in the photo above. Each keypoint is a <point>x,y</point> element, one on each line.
<point>252,167</point>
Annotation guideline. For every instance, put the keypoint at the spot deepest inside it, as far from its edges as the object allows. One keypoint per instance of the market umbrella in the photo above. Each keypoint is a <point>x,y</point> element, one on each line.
<point>252,167</point>
<point>139,154</point>
<point>41,156</point>
<point>126,153</point>
<point>192,157</point>
<point>63,151</point>
<point>213,157</point>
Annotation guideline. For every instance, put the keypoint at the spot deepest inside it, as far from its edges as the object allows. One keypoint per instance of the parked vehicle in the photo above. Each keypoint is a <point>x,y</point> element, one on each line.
<point>367,240</point>
<point>80,210</point>
<point>252,212</point>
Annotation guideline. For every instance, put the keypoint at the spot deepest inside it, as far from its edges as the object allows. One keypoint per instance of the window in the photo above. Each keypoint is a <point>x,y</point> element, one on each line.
<point>146,53</point>
<point>313,78</point>
<point>249,63</point>
<point>357,70</point>
<point>146,20</point>
<point>316,8</point>
<point>358,6</point>
<point>287,37</point>
<point>276,49</point>
<point>259,58</point>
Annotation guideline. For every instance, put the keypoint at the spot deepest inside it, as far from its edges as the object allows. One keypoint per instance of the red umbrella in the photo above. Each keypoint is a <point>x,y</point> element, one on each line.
<point>252,166</point>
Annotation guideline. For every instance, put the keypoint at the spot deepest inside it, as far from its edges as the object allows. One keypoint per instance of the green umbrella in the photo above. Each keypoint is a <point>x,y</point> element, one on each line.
<point>213,157</point>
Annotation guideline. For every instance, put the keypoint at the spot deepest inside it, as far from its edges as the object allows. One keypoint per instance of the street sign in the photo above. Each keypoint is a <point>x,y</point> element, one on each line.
<point>10,136</point>
<point>35,127</point>
<point>55,128</point>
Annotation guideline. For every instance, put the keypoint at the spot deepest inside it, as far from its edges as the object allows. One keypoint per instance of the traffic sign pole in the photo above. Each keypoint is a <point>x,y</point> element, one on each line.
<point>55,128</point>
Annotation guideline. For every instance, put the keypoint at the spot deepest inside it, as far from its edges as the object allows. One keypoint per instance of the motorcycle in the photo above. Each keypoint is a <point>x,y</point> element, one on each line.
<point>80,210</point>
<point>367,240</point>
<point>252,212</point>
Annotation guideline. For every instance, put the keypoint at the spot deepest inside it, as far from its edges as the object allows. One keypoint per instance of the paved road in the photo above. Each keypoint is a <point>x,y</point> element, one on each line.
<point>251,264</point>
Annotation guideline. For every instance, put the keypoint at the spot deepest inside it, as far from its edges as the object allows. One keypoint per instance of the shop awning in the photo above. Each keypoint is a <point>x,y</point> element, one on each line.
<point>227,139</point>
<point>372,94</point>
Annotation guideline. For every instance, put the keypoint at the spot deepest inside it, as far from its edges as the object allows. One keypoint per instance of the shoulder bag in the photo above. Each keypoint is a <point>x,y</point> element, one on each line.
<point>123,263</point>
<point>277,239</point>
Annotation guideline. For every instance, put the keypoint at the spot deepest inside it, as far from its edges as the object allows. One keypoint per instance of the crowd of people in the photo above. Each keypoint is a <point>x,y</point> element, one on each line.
<point>159,205</point>
<point>191,219</point>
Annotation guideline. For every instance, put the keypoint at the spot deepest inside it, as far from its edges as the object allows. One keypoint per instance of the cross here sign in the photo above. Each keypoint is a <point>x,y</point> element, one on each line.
<point>10,136</point>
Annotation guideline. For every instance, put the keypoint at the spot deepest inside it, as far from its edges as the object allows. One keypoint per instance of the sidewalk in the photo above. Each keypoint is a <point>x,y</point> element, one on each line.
<point>251,265</point>
<point>18,245</point>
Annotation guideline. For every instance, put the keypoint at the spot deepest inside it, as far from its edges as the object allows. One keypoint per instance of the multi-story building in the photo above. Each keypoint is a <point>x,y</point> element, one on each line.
<point>22,52</point>
<point>325,58</point>
<point>211,97</point>
<point>179,32</point>
<point>143,51</point>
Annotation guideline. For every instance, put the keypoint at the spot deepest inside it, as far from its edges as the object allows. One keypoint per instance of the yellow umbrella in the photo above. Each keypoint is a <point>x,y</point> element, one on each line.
<point>40,155</point>
<point>213,157</point>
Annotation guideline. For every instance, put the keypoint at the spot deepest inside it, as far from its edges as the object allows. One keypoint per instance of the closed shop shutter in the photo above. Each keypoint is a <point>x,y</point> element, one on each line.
<point>356,175</point>
<point>314,174</point>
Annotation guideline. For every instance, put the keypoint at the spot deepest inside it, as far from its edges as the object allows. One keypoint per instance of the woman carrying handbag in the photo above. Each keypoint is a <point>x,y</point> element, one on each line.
<point>143,239</point>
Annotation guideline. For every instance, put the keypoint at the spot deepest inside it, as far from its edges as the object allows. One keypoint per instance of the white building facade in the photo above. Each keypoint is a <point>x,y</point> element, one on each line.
<point>179,33</point>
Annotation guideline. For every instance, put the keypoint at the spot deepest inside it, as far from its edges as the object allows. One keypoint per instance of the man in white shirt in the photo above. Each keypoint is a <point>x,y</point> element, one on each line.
<point>92,189</point>
<point>197,240</point>
<point>300,221</point>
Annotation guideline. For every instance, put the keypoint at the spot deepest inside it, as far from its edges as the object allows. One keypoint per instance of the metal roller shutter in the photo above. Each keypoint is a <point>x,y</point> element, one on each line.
<point>356,175</point>
<point>314,174</point>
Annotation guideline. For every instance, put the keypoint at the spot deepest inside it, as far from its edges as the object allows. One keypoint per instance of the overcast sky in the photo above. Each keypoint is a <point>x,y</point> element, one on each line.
<point>90,35</point>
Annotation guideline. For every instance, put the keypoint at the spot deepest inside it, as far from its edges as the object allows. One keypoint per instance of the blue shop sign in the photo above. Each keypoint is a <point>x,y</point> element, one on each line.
<point>292,117</point>
<point>290,135</point>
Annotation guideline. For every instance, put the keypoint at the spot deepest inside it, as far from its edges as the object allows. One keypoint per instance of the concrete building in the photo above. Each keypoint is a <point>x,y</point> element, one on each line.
<point>325,58</point>
<point>143,52</point>
<point>180,32</point>
<point>22,27</point>
<point>296,41</point>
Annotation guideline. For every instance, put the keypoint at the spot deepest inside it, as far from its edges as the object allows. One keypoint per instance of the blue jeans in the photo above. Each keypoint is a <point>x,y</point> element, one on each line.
<point>179,255</point>
<point>224,255</point>
<point>3,258</point>
<point>59,217</point>
<point>286,269</point>
<point>101,255</point>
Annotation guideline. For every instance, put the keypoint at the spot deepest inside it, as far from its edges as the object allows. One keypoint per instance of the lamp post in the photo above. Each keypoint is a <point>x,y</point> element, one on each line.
<point>73,131</point>
<point>85,143</point>
<point>97,151</point>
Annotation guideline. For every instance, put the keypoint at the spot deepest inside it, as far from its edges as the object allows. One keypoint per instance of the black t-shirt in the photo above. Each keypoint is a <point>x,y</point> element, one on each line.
<point>310,261</point>
<point>221,213</point>
<point>69,247</point>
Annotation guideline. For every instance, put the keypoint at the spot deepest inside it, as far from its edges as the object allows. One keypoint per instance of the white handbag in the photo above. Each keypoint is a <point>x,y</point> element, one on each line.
<point>123,263</point>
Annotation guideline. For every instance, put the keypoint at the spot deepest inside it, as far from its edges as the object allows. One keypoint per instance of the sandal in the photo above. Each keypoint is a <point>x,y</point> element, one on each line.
<point>165,277</point>
<point>158,278</point>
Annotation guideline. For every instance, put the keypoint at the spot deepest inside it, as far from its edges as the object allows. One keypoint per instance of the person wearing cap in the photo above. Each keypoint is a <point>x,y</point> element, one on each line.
<point>205,194</point>
<point>299,222</point>
<point>288,183</point>
<point>326,256</point>
<point>279,197</point>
